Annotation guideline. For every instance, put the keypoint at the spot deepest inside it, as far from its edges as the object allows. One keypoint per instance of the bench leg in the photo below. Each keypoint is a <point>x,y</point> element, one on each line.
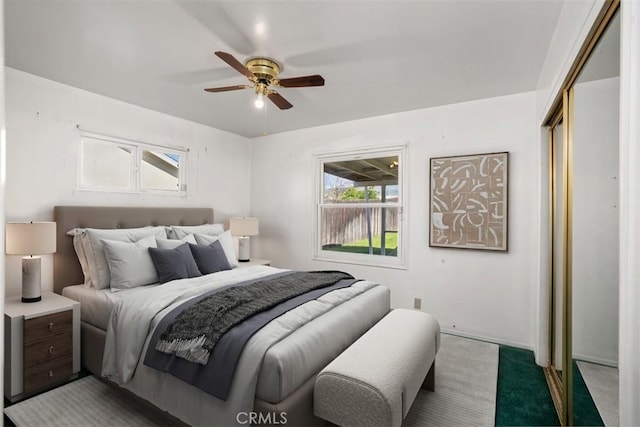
<point>430,381</point>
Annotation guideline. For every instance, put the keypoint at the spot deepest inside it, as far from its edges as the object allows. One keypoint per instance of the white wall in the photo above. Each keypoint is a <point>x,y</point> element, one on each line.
<point>475,293</point>
<point>43,147</point>
<point>629,362</point>
<point>595,221</point>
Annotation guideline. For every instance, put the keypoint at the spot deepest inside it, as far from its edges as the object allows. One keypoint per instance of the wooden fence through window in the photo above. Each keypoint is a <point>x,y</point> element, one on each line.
<point>341,226</point>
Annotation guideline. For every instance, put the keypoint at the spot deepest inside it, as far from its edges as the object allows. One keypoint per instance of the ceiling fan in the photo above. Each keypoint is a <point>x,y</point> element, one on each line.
<point>263,75</point>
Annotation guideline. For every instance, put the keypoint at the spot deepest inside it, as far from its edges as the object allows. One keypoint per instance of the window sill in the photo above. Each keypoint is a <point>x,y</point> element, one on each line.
<point>137,192</point>
<point>374,261</point>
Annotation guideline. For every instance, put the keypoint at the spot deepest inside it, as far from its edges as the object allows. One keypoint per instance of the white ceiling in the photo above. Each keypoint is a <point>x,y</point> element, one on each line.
<point>377,57</point>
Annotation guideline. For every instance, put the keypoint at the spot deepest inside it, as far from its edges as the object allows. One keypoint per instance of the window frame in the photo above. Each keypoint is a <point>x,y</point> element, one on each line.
<point>320,254</point>
<point>136,170</point>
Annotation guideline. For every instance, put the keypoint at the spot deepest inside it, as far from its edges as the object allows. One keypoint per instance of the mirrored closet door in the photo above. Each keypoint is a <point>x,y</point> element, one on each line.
<point>584,234</point>
<point>595,232</point>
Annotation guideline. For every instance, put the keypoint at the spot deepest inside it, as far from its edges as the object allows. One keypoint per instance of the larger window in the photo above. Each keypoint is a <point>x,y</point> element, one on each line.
<point>360,206</point>
<point>116,164</point>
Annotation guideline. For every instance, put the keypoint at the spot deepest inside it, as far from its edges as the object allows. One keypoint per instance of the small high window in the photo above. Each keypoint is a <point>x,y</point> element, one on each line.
<point>116,164</point>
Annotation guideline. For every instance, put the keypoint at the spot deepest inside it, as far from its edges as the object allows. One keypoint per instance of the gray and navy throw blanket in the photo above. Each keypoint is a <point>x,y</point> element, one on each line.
<point>201,340</point>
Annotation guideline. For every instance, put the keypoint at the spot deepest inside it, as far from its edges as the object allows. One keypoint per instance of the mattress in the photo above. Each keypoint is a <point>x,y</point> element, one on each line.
<point>295,359</point>
<point>96,304</point>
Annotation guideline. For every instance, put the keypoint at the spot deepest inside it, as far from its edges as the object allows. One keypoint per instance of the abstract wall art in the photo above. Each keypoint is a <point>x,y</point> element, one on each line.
<point>468,203</point>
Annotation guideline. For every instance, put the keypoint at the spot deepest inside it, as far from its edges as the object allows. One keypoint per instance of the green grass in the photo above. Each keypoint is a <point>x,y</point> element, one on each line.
<point>391,241</point>
<point>362,246</point>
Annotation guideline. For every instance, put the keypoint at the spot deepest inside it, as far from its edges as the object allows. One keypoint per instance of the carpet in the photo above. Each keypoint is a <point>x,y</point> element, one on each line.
<point>466,375</point>
<point>602,382</point>
<point>82,403</point>
<point>585,412</point>
<point>523,395</point>
<point>466,381</point>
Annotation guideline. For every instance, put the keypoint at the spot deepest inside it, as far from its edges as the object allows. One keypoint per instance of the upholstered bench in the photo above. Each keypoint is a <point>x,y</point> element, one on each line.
<point>376,379</point>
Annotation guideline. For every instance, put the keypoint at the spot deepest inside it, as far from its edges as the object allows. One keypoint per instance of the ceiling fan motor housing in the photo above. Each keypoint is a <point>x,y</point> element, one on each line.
<point>266,70</point>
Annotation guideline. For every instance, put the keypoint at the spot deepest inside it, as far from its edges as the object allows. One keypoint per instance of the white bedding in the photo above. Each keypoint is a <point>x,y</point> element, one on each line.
<point>135,317</point>
<point>96,304</point>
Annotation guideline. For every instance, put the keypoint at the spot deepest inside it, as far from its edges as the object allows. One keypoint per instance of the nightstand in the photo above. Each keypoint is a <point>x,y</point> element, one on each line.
<point>42,344</point>
<point>254,261</point>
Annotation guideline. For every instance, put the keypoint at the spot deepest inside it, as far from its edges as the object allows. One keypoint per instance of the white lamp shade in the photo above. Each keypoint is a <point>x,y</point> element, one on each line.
<point>244,226</point>
<point>31,238</point>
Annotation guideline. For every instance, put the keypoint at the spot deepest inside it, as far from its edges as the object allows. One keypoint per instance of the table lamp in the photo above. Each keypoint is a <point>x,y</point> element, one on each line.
<point>243,227</point>
<point>31,239</point>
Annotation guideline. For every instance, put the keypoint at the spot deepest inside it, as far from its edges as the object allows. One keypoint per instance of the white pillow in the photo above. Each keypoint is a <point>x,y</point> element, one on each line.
<point>94,250</point>
<point>173,243</point>
<point>78,245</point>
<point>130,264</point>
<point>179,231</point>
<point>226,240</point>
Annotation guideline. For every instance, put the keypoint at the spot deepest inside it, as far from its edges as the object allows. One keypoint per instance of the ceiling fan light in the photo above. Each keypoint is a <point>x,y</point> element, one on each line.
<point>260,28</point>
<point>259,102</point>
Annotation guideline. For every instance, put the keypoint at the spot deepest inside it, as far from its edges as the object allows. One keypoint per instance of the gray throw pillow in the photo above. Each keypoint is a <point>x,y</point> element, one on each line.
<point>189,261</point>
<point>226,240</point>
<point>210,258</point>
<point>129,263</point>
<point>174,264</point>
<point>169,263</point>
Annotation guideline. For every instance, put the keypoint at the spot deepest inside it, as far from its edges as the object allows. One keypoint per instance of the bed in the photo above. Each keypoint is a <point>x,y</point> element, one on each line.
<point>277,368</point>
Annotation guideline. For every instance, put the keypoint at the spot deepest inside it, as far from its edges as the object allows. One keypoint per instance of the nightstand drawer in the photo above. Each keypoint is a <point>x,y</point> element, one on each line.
<point>51,348</point>
<point>43,327</point>
<point>38,376</point>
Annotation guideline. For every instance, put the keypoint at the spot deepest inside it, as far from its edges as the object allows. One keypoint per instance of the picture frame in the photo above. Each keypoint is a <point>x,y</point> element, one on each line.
<point>468,203</point>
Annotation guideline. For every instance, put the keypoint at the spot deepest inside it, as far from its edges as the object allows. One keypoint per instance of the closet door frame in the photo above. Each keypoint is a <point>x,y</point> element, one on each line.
<point>561,388</point>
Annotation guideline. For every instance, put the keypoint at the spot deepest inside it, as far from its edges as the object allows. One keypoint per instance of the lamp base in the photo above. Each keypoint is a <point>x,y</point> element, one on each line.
<point>31,279</point>
<point>244,249</point>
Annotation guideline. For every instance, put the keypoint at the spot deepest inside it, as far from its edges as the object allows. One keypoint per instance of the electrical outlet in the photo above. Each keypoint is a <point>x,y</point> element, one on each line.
<point>417,303</point>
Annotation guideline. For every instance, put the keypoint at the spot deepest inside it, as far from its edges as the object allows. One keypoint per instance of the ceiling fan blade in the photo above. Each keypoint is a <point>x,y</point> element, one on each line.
<point>279,100</point>
<point>226,88</point>
<point>234,63</point>
<point>315,80</point>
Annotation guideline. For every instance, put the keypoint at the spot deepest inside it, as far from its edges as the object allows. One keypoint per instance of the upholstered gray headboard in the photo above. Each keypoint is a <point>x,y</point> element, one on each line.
<point>66,267</point>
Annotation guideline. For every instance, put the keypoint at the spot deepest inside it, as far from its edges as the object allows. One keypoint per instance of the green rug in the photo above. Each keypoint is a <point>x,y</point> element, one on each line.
<point>523,396</point>
<point>585,412</point>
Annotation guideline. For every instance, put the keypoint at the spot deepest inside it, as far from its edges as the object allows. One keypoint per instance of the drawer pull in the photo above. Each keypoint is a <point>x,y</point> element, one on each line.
<point>51,350</point>
<point>51,326</point>
<point>50,373</point>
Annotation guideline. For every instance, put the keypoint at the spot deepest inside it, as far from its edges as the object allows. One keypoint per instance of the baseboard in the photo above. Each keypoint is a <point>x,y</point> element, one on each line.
<point>491,340</point>
<point>596,360</point>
